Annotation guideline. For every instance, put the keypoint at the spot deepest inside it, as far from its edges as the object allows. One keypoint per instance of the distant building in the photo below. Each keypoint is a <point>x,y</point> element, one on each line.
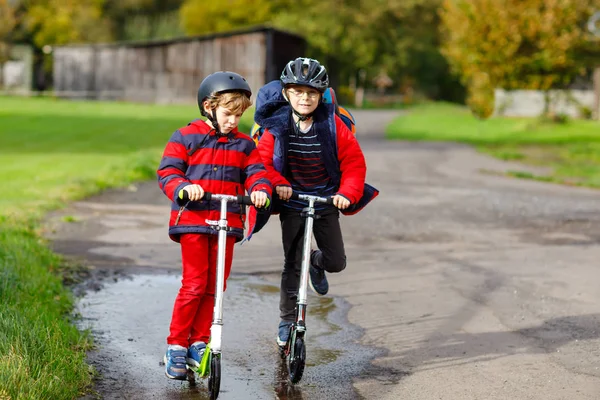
<point>17,72</point>
<point>169,71</point>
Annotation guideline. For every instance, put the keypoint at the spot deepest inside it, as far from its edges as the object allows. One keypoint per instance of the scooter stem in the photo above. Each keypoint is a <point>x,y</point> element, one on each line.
<point>308,227</point>
<point>217,322</point>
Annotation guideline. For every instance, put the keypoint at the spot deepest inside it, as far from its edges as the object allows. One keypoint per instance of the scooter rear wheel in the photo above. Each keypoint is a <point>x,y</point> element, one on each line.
<point>297,360</point>
<point>214,380</point>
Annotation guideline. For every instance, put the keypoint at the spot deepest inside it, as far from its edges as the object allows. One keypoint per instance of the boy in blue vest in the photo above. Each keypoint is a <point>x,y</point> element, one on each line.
<point>306,148</point>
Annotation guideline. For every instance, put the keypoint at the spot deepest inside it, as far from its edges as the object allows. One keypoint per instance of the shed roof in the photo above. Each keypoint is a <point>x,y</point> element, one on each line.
<point>184,39</point>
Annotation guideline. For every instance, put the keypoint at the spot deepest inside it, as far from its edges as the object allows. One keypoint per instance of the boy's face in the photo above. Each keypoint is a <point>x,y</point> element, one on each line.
<point>303,99</point>
<point>226,119</point>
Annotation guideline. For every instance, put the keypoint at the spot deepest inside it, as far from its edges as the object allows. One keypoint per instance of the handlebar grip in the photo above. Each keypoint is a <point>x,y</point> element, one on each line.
<point>244,200</point>
<point>183,195</point>
<point>294,196</point>
<point>329,200</point>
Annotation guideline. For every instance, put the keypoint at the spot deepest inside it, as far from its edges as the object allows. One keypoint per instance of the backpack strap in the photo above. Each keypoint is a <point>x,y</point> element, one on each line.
<point>343,113</point>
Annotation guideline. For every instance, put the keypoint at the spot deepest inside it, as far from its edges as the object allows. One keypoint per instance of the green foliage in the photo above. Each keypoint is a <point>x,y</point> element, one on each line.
<point>66,21</point>
<point>524,44</point>
<point>399,37</point>
<point>200,17</point>
<point>480,96</point>
<point>8,21</point>
<point>144,27</point>
<point>143,19</point>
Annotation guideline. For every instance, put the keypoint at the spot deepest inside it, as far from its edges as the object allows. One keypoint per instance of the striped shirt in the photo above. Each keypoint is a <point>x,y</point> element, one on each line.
<point>306,169</point>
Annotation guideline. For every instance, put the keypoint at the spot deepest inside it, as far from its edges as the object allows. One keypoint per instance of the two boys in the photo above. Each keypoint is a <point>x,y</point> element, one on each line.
<point>305,148</point>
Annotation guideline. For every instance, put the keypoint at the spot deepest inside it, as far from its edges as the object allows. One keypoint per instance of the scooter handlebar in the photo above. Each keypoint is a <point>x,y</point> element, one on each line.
<point>246,200</point>
<point>326,200</point>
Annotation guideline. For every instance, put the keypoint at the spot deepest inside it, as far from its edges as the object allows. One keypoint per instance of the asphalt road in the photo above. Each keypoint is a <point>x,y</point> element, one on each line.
<point>460,285</point>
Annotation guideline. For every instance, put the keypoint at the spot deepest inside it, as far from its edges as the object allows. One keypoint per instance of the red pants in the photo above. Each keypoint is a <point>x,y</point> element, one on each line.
<point>193,309</point>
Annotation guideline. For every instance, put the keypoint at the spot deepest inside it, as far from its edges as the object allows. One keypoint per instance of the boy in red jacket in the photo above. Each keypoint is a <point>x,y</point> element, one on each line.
<point>210,156</point>
<point>308,149</point>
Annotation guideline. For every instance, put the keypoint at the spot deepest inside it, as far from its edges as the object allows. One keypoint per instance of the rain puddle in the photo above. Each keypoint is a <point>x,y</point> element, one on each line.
<point>129,319</point>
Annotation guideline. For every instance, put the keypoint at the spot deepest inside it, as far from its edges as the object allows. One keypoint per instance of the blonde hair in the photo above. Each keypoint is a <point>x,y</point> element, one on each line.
<point>235,102</point>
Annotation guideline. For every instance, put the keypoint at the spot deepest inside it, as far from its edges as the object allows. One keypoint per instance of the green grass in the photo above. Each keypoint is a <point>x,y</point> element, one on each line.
<point>570,150</point>
<point>54,151</point>
<point>43,354</point>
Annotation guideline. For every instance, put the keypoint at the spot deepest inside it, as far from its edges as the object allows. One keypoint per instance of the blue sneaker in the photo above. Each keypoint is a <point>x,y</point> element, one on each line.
<point>318,280</point>
<point>284,333</point>
<point>175,367</point>
<point>195,354</point>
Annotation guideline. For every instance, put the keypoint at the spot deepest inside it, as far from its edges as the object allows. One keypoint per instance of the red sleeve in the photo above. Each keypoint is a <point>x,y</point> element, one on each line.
<point>256,174</point>
<point>352,163</point>
<point>266,146</point>
<point>173,166</point>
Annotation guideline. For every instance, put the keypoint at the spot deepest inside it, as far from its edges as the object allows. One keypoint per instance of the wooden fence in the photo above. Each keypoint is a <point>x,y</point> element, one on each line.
<point>170,71</point>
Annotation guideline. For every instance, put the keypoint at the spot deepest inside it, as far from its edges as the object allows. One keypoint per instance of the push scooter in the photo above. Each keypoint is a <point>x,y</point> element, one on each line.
<point>294,351</point>
<point>210,364</point>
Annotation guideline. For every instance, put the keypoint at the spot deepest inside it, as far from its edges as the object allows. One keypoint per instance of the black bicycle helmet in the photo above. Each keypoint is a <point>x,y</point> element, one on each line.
<point>220,82</point>
<point>307,72</point>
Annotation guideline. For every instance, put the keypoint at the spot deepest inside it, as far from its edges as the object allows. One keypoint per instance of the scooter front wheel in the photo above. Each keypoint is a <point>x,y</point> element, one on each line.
<point>214,380</point>
<point>297,360</point>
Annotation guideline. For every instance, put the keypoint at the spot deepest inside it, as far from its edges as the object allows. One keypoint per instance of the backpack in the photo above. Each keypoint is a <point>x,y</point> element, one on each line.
<point>328,97</point>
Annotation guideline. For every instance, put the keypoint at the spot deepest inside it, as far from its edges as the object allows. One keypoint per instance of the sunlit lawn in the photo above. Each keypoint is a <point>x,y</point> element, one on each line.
<point>571,150</point>
<point>54,150</point>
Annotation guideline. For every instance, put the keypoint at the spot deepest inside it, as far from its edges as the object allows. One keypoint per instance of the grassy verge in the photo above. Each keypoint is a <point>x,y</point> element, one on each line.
<point>571,150</point>
<point>54,151</point>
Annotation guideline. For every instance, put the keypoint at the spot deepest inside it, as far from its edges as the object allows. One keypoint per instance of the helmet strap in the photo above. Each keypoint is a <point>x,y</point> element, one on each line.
<point>212,117</point>
<point>302,117</point>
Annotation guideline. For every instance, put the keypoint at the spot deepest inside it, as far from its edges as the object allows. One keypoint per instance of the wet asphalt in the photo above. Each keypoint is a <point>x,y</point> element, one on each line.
<point>461,284</point>
<point>130,318</point>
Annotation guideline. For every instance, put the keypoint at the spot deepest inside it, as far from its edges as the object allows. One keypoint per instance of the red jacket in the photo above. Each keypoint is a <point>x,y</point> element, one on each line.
<point>226,165</point>
<point>352,166</point>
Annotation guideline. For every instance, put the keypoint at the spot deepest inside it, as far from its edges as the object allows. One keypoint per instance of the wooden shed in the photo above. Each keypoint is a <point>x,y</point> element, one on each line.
<point>170,71</point>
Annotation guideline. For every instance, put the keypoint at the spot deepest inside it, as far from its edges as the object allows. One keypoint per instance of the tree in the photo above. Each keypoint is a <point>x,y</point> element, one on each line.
<point>399,37</point>
<point>66,21</point>
<point>143,19</point>
<point>199,16</point>
<point>524,44</point>
<point>7,24</point>
<point>403,36</point>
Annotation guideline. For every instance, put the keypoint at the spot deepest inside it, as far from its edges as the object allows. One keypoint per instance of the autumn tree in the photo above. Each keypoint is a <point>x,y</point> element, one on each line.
<point>66,21</point>
<point>7,20</point>
<point>402,38</point>
<point>7,24</point>
<point>513,44</point>
<point>143,19</point>
<point>399,37</point>
<point>200,17</point>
